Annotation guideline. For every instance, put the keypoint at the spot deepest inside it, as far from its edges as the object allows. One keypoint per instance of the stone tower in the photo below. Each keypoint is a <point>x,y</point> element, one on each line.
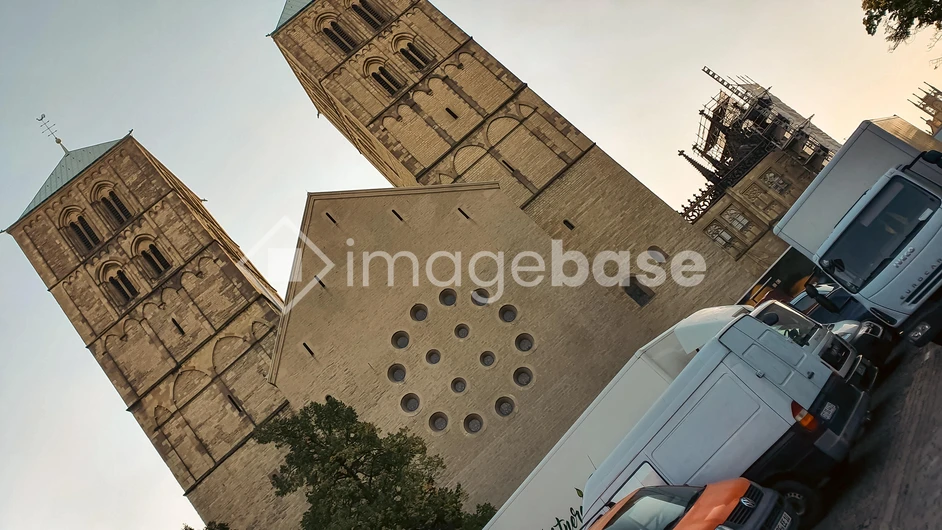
<point>427,105</point>
<point>180,322</point>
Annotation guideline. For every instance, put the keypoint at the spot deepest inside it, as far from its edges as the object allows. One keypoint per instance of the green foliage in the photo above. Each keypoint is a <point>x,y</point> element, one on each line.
<point>902,18</point>
<point>212,525</point>
<point>354,477</point>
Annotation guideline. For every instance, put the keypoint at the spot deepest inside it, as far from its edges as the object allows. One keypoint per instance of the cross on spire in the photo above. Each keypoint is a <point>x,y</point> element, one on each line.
<point>51,132</point>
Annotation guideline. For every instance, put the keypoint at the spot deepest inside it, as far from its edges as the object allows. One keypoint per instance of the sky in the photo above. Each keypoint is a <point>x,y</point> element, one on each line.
<point>209,94</point>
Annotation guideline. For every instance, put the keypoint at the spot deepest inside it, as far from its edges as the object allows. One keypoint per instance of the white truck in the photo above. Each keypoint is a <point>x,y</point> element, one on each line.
<point>550,498</point>
<point>871,221</point>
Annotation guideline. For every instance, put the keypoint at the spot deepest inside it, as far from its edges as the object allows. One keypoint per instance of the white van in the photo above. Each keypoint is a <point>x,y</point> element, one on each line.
<point>761,400</point>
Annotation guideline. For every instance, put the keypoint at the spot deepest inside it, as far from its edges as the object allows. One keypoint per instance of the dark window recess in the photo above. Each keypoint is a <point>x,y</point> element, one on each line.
<point>340,37</point>
<point>119,289</point>
<point>132,291</point>
<point>81,236</point>
<point>158,255</point>
<point>308,348</point>
<point>152,262</point>
<point>155,258</point>
<point>369,14</point>
<point>386,80</point>
<point>371,9</point>
<point>332,220</point>
<point>507,164</point>
<point>115,214</point>
<point>178,326</point>
<point>464,214</point>
<point>119,205</point>
<point>641,294</point>
<point>451,113</point>
<point>397,215</point>
<point>235,403</point>
<point>382,83</point>
<point>419,59</point>
<point>568,224</point>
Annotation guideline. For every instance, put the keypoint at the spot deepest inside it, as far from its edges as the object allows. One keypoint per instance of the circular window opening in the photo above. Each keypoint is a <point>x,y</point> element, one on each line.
<point>419,312</point>
<point>462,331</point>
<point>523,376</point>
<point>448,297</point>
<point>504,406</point>
<point>524,342</point>
<point>396,373</point>
<point>433,357</point>
<point>480,296</point>
<point>488,358</point>
<point>400,339</point>
<point>473,423</point>
<point>459,385</point>
<point>438,422</point>
<point>508,313</point>
<point>409,403</point>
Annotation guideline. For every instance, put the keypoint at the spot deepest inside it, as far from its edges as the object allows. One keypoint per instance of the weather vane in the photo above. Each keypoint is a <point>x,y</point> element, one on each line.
<point>51,131</point>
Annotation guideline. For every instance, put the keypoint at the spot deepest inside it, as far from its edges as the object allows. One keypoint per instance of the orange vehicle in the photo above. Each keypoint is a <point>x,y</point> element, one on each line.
<point>736,504</point>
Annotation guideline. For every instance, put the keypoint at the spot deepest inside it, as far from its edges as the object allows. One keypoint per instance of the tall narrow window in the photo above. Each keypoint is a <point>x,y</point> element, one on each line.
<point>126,282</point>
<point>158,255</point>
<point>80,235</point>
<point>88,231</point>
<point>151,262</point>
<point>340,37</point>
<point>416,56</point>
<point>387,81</point>
<point>369,14</point>
<point>337,40</point>
<point>119,290</point>
<point>112,211</point>
<point>119,205</point>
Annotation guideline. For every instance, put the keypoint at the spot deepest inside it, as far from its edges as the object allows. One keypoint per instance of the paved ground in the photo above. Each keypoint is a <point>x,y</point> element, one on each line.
<point>893,480</point>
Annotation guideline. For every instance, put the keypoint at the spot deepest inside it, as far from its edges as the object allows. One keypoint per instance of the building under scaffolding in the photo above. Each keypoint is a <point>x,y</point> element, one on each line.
<point>739,128</point>
<point>930,102</point>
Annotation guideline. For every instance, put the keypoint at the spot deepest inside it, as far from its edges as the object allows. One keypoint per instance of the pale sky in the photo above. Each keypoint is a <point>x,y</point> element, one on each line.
<point>210,96</point>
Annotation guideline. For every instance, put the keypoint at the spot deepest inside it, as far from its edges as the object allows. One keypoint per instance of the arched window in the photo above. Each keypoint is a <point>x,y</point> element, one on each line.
<point>123,289</point>
<point>369,14</point>
<point>83,233</point>
<point>155,259</point>
<point>419,59</point>
<point>116,208</point>
<point>387,81</point>
<point>340,37</point>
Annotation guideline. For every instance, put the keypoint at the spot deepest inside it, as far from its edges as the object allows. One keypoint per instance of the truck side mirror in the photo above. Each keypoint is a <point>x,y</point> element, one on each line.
<point>811,291</point>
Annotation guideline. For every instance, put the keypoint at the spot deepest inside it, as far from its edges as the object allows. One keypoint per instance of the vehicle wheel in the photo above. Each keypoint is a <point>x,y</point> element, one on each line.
<point>805,500</point>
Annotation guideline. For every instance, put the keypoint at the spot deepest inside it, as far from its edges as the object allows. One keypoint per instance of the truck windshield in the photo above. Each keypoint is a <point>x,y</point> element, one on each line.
<point>878,233</point>
<point>658,508</point>
<point>793,325</point>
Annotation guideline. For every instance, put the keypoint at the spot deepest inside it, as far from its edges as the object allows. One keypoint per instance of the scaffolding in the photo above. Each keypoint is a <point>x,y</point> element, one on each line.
<point>738,128</point>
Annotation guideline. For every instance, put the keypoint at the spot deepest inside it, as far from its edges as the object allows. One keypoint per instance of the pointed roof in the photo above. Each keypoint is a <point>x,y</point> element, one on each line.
<point>292,8</point>
<point>72,163</point>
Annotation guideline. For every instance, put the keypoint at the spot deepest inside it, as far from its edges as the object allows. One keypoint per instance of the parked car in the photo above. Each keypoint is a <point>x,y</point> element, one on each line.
<point>869,338</point>
<point>733,504</point>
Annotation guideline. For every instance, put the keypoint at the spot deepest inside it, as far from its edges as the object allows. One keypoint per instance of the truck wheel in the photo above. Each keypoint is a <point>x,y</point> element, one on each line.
<point>805,500</point>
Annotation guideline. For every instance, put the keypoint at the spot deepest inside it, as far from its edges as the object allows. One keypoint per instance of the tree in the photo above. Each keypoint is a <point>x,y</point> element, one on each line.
<point>354,477</point>
<point>902,18</point>
<point>212,525</point>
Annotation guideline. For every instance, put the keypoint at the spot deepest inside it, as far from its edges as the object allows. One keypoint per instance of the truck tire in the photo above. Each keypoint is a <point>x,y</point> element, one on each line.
<point>805,500</point>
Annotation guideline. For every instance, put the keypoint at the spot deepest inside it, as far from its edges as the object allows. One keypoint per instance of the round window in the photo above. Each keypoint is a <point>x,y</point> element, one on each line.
<point>409,403</point>
<point>488,358</point>
<point>504,406</point>
<point>438,422</point>
<point>396,373</point>
<point>508,313</point>
<point>524,342</point>
<point>433,357</point>
<point>523,376</point>
<point>419,312</point>
<point>480,296</point>
<point>400,339</point>
<point>448,297</point>
<point>473,423</point>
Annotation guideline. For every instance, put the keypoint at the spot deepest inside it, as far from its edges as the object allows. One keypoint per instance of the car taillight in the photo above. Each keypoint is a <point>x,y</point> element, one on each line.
<point>803,417</point>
